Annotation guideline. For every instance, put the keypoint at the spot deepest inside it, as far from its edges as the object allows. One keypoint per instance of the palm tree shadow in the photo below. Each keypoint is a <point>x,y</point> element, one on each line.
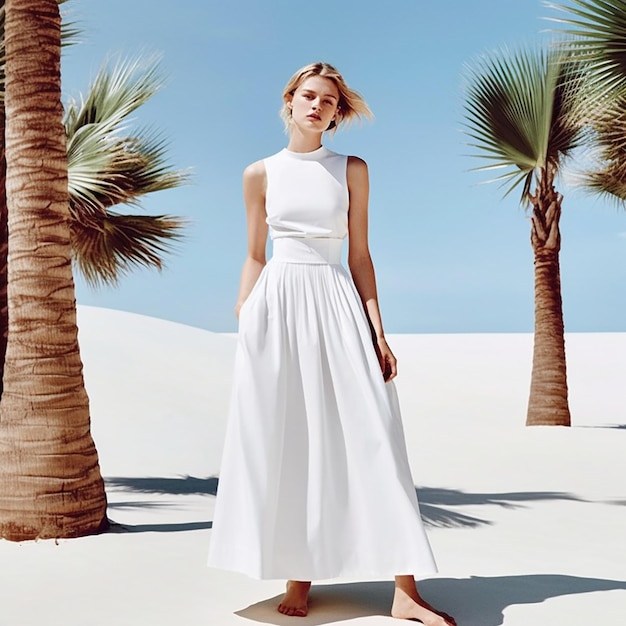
<point>115,527</point>
<point>474,601</point>
<point>180,485</point>
<point>437,506</point>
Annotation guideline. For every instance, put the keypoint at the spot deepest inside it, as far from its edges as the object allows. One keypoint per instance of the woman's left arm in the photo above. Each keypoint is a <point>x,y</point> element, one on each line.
<point>360,260</point>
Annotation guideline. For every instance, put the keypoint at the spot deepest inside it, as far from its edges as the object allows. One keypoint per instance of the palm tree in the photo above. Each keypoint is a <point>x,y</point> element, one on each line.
<point>50,482</point>
<point>523,114</point>
<point>110,163</point>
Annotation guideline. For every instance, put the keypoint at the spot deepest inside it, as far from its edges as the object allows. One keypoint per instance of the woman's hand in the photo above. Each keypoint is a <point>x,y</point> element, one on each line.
<point>388,362</point>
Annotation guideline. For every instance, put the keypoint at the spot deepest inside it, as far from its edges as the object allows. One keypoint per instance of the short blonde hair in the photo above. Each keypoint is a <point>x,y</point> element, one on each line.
<point>351,104</point>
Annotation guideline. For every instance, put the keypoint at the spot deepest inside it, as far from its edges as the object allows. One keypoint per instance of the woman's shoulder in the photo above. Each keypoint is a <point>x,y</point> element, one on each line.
<point>356,166</point>
<point>352,161</point>
<point>254,176</point>
<point>349,157</point>
<point>255,170</point>
<point>356,161</point>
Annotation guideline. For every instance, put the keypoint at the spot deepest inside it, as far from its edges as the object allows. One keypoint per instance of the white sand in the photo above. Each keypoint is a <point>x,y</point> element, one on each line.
<point>527,524</point>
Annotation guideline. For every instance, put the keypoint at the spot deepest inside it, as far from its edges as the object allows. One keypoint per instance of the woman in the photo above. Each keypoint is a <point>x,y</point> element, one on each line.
<point>315,480</point>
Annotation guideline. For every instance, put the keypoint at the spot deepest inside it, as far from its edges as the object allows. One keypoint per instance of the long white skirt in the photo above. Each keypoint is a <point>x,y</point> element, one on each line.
<point>315,482</point>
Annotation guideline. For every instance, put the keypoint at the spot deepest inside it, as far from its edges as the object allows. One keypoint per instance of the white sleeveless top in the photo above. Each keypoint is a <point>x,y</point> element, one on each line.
<point>307,194</point>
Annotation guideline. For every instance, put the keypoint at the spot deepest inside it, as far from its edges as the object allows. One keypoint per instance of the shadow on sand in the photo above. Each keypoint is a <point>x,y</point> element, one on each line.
<point>182,485</point>
<point>435,504</point>
<point>438,506</point>
<point>114,527</point>
<point>475,601</point>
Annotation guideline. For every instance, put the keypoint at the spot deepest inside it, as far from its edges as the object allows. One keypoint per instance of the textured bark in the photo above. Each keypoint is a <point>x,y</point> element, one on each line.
<point>4,246</point>
<point>50,482</point>
<point>4,233</point>
<point>548,402</point>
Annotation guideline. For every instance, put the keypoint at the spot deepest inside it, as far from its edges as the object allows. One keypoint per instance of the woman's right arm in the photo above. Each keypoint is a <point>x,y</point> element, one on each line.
<point>254,184</point>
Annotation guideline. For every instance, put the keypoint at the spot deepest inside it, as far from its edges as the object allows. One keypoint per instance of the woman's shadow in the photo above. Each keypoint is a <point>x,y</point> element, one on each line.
<point>474,601</point>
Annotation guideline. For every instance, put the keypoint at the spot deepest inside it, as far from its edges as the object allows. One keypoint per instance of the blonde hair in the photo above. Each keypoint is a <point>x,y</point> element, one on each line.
<point>351,104</point>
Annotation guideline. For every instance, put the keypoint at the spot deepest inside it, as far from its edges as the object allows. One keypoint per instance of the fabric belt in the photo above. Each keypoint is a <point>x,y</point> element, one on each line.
<point>317,251</point>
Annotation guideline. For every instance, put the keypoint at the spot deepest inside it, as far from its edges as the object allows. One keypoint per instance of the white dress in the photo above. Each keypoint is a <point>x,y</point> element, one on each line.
<point>315,482</point>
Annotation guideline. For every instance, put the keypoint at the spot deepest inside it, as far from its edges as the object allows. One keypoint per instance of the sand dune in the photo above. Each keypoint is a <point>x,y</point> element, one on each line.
<point>527,524</point>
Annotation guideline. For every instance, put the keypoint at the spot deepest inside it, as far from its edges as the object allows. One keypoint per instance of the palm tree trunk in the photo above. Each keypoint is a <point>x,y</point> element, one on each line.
<point>50,482</point>
<point>4,233</point>
<point>548,403</point>
<point>4,246</point>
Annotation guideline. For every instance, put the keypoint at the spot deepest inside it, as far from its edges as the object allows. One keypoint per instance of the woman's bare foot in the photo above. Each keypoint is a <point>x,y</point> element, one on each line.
<point>294,601</point>
<point>408,604</point>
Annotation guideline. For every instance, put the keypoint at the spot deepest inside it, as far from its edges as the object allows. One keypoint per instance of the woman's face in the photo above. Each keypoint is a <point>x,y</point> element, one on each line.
<point>314,103</point>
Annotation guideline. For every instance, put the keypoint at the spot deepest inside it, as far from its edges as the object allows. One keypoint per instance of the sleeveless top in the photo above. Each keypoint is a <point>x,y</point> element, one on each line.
<point>307,194</point>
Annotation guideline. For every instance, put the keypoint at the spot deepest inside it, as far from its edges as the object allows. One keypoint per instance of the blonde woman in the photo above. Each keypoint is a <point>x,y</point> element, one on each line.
<point>315,481</point>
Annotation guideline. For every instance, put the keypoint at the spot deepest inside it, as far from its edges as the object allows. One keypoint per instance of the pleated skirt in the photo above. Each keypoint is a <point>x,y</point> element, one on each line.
<point>315,481</point>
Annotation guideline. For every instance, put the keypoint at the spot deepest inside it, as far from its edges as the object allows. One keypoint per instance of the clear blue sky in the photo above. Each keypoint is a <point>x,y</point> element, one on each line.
<point>451,255</point>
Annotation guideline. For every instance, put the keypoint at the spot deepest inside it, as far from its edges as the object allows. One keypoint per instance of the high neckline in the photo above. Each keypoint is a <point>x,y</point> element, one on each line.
<point>307,156</point>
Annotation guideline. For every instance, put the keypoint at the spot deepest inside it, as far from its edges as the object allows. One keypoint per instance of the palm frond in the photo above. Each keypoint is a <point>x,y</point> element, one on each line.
<point>107,245</point>
<point>523,111</point>
<point>605,170</point>
<point>112,163</point>
<point>70,31</point>
<point>108,164</point>
<point>610,182</point>
<point>105,169</point>
<point>118,89</point>
<point>71,34</point>
<point>598,28</point>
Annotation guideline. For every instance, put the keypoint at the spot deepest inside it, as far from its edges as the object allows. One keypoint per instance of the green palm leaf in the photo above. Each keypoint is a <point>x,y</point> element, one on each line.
<point>605,171</point>
<point>523,112</point>
<point>118,90</point>
<point>110,163</point>
<point>105,169</point>
<point>599,27</point>
<point>108,245</point>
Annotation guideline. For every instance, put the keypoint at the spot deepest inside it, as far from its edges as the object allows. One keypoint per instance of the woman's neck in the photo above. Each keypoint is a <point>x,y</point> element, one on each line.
<point>303,142</point>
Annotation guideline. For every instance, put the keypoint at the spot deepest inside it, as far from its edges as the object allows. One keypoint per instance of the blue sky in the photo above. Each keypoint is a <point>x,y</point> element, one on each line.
<point>450,254</point>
